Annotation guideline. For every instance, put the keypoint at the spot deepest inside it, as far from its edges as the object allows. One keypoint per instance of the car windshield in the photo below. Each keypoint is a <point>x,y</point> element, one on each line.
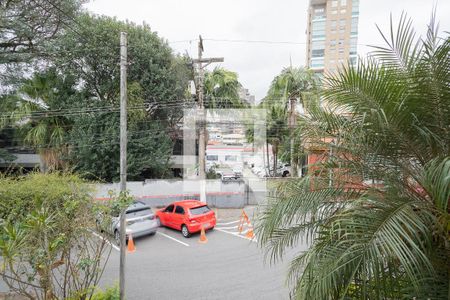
<point>199,210</point>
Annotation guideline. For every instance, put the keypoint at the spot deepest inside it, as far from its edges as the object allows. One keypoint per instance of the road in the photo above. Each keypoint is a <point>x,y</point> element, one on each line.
<point>168,266</point>
<point>228,266</point>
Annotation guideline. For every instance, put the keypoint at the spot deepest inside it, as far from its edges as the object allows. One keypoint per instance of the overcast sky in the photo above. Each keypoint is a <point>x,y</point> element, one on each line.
<point>258,20</point>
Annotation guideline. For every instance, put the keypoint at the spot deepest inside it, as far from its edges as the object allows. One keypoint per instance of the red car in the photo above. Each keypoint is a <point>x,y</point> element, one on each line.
<point>189,216</point>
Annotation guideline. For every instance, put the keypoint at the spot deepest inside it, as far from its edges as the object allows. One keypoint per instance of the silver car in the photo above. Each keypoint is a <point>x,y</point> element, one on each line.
<point>140,221</point>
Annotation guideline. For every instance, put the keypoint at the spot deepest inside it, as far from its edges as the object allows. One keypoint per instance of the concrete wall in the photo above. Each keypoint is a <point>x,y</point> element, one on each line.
<point>162,192</point>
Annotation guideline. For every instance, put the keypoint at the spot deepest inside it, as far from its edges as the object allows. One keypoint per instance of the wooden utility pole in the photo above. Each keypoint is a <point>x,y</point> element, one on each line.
<point>292,126</point>
<point>123,155</point>
<point>202,63</point>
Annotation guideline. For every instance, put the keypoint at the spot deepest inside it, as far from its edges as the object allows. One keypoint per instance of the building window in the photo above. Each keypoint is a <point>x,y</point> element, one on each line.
<point>343,11</point>
<point>320,25</point>
<point>212,157</point>
<point>318,35</point>
<point>353,60</point>
<point>342,31</point>
<point>341,42</point>
<point>353,46</point>
<point>317,63</point>
<point>332,43</point>
<point>343,2</point>
<point>319,13</point>
<point>316,45</point>
<point>341,50</point>
<point>318,53</point>
<point>334,3</point>
<point>355,8</point>
<point>333,12</point>
<point>354,25</point>
<point>230,158</point>
<point>342,22</point>
<point>333,24</point>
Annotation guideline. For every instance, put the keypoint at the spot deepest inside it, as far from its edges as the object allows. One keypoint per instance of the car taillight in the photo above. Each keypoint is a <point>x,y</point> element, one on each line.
<point>193,221</point>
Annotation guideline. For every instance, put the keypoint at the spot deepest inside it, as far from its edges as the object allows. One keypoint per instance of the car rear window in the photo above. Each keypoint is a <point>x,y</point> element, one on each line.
<point>199,210</point>
<point>137,212</point>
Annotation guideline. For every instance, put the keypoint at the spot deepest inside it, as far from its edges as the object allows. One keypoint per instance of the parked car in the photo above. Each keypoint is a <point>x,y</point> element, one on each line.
<point>230,176</point>
<point>237,170</point>
<point>140,221</point>
<point>189,216</point>
<point>284,170</point>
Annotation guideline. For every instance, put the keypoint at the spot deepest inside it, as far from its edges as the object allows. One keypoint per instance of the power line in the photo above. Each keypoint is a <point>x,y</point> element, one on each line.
<point>182,103</point>
<point>266,42</point>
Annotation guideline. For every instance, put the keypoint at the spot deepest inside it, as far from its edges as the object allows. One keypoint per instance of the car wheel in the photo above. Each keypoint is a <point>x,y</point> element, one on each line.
<point>185,231</point>
<point>285,173</point>
<point>117,237</point>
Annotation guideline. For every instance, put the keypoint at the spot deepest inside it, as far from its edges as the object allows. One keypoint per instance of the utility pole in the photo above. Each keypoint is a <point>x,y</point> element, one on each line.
<point>292,125</point>
<point>123,155</point>
<point>202,63</point>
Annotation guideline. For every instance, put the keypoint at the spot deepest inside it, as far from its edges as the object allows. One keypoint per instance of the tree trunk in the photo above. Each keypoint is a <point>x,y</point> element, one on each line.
<point>267,170</point>
<point>292,125</point>
<point>275,157</point>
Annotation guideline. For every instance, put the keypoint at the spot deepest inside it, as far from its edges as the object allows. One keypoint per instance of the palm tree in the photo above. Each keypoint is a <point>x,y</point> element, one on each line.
<point>276,132</point>
<point>36,113</point>
<point>292,84</point>
<point>375,212</point>
<point>222,89</point>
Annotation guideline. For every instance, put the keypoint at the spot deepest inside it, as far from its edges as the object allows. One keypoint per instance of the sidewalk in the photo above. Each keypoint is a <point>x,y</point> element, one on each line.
<point>231,214</point>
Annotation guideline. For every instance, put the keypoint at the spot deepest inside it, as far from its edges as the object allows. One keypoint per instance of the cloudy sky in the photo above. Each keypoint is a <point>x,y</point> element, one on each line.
<point>181,21</point>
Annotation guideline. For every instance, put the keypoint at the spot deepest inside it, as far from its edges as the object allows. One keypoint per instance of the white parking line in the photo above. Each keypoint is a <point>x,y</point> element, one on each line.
<point>173,239</point>
<point>237,234</point>
<point>230,227</point>
<point>106,240</point>
<point>228,223</point>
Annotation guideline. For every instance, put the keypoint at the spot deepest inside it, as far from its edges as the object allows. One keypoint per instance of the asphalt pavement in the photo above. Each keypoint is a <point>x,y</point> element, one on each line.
<point>228,266</point>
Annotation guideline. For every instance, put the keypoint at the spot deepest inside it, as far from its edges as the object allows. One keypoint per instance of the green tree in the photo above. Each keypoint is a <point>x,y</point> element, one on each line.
<point>157,81</point>
<point>37,112</point>
<point>26,26</point>
<point>286,88</point>
<point>375,210</point>
<point>153,70</point>
<point>95,148</point>
<point>222,89</point>
<point>46,243</point>
<point>277,132</point>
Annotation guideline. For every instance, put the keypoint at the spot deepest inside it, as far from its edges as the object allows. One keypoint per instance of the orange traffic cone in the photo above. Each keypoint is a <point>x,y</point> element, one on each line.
<point>131,247</point>
<point>241,227</point>
<point>250,234</point>
<point>203,238</point>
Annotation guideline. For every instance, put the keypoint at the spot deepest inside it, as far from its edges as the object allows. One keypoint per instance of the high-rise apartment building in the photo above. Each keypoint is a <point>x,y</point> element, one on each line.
<point>332,34</point>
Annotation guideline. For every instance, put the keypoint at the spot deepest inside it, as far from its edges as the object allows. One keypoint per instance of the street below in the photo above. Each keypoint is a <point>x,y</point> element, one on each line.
<point>228,266</point>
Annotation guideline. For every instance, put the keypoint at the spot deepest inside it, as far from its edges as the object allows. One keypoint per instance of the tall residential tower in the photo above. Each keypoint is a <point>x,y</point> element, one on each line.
<point>332,34</point>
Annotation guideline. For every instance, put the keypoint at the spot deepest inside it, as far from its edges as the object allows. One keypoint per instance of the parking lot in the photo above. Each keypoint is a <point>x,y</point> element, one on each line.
<point>228,266</point>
